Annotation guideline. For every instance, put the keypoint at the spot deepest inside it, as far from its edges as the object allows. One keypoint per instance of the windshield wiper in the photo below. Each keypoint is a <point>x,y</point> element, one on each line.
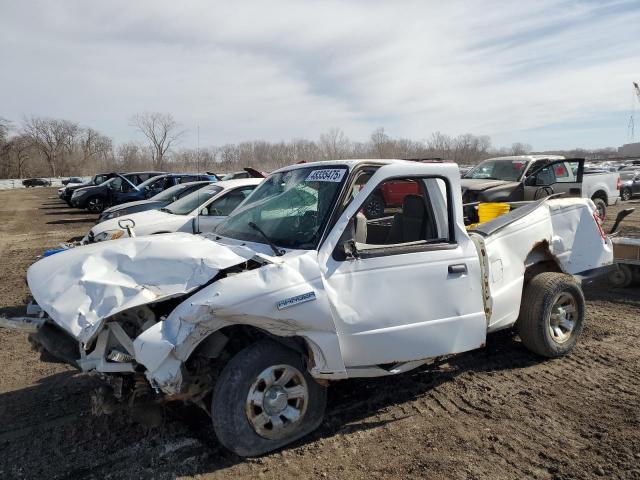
<point>278,253</point>
<point>165,209</point>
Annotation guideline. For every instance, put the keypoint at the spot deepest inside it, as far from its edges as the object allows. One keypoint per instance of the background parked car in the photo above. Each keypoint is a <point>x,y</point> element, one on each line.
<point>630,184</point>
<point>200,211</point>
<point>97,179</point>
<point>156,202</point>
<point>69,180</point>
<point>157,184</point>
<point>96,198</point>
<point>36,182</point>
<point>246,173</point>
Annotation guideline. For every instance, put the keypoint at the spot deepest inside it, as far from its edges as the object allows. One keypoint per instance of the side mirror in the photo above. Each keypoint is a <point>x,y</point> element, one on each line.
<point>346,248</point>
<point>530,181</point>
<point>204,211</point>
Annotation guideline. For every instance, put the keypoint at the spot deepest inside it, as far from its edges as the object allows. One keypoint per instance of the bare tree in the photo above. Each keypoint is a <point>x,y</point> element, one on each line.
<point>19,148</point>
<point>94,145</point>
<point>334,143</point>
<point>381,143</point>
<point>53,138</point>
<point>519,148</point>
<point>161,131</point>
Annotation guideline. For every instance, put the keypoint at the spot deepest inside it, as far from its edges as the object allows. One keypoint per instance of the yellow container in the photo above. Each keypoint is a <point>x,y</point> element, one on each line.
<point>489,211</point>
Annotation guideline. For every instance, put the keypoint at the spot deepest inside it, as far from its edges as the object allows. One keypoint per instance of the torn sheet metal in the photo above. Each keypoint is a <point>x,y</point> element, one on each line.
<point>248,298</point>
<point>81,287</point>
<point>563,230</point>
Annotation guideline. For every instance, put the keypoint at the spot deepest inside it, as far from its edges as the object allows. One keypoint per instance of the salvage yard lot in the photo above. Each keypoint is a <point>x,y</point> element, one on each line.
<point>500,412</point>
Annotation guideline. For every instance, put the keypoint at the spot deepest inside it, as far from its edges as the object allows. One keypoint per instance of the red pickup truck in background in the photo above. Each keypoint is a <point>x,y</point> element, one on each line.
<point>391,194</point>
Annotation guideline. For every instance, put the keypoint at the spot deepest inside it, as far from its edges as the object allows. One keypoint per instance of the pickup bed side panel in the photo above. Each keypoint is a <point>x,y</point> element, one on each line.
<point>565,228</point>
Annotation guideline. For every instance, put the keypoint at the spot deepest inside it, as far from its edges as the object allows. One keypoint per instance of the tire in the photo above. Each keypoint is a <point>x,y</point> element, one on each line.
<point>236,419</point>
<point>95,204</point>
<point>546,325</point>
<point>601,207</point>
<point>374,207</point>
<point>625,194</point>
<point>621,277</point>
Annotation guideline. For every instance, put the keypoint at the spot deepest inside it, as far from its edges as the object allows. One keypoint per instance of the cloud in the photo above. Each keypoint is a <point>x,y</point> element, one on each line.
<point>244,70</point>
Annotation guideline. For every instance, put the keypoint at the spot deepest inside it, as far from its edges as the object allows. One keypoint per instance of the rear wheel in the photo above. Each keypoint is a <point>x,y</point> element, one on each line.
<point>621,277</point>
<point>265,399</point>
<point>601,207</point>
<point>551,314</point>
<point>625,194</point>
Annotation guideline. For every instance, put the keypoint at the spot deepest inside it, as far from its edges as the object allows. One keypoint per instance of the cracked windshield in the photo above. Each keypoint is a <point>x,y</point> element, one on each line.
<point>290,207</point>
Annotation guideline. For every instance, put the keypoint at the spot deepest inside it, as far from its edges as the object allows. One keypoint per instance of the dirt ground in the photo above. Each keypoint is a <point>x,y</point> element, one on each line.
<point>499,413</point>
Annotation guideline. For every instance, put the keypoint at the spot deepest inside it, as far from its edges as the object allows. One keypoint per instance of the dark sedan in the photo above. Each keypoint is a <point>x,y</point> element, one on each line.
<point>156,202</point>
<point>115,190</point>
<point>36,182</point>
<point>630,184</point>
<point>69,180</point>
<point>98,179</point>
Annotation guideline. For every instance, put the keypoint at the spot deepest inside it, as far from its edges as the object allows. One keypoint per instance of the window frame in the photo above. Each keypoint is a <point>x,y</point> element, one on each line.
<point>409,247</point>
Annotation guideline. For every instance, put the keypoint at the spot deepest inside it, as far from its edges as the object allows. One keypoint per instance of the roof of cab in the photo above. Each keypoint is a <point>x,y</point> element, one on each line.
<point>349,163</point>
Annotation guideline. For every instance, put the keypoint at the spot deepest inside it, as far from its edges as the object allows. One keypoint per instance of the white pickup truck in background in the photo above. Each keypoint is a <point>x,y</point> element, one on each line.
<point>296,288</point>
<point>531,177</point>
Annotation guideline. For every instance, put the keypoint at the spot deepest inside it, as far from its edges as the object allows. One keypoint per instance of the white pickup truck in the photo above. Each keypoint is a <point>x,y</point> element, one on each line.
<point>296,288</point>
<point>531,177</point>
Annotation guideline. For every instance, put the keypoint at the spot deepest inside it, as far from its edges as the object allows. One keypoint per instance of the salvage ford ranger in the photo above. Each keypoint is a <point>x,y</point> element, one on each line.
<point>297,288</point>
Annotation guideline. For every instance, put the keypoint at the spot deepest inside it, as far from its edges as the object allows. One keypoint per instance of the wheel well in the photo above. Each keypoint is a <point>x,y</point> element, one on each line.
<point>540,259</point>
<point>226,342</point>
<point>599,194</point>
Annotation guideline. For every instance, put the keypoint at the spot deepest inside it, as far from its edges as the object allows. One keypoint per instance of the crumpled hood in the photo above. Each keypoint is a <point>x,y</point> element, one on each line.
<point>82,286</point>
<point>479,184</point>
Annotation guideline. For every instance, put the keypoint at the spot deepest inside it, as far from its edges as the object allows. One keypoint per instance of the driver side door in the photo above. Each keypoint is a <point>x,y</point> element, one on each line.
<point>560,176</point>
<point>407,286</point>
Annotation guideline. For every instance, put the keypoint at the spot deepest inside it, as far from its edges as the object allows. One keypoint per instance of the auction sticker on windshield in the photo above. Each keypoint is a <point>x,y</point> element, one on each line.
<point>326,175</point>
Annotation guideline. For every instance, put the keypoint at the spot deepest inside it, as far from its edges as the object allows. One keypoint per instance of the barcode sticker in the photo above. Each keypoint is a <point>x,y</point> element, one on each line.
<point>326,175</point>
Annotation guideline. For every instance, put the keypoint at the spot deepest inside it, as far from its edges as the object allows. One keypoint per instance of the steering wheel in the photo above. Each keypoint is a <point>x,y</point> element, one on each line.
<point>543,192</point>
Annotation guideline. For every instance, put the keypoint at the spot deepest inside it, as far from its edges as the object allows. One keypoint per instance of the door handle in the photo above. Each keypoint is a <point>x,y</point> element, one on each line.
<point>458,268</point>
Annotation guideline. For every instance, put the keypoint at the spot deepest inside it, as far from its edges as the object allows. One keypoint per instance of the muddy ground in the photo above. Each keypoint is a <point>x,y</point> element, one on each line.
<point>499,413</point>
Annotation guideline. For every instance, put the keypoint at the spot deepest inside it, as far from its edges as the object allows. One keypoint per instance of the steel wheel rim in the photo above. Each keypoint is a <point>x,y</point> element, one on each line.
<point>564,314</point>
<point>277,401</point>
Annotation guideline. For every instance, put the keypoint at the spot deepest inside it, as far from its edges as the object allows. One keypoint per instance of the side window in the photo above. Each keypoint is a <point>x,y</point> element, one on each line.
<point>557,172</point>
<point>186,191</point>
<point>186,179</point>
<point>126,186</point>
<point>413,210</point>
<point>228,203</point>
<point>117,184</point>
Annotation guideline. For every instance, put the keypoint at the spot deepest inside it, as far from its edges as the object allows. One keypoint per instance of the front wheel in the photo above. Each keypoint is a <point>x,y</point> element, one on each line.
<point>264,399</point>
<point>374,208</point>
<point>95,205</point>
<point>625,194</point>
<point>551,314</point>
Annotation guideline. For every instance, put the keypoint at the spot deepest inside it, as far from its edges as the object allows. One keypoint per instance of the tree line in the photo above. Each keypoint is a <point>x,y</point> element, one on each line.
<point>50,147</point>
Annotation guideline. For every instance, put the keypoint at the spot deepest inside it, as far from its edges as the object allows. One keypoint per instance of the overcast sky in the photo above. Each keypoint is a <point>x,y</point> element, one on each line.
<point>552,73</point>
